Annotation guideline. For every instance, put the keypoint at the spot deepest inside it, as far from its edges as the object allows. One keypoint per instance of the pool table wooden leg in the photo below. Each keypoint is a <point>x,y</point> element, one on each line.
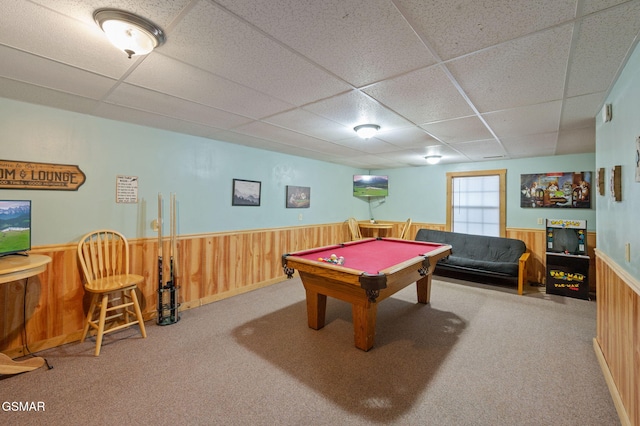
<point>423,286</point>
<point>316,309</point>
<point>364,324</point>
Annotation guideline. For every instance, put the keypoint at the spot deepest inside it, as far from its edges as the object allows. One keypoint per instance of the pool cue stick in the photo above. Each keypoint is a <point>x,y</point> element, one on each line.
<point>160,266</point>
<point>174,259</point>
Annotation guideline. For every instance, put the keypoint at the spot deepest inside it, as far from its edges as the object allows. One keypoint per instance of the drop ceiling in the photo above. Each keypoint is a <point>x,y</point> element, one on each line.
<point>469,80</point>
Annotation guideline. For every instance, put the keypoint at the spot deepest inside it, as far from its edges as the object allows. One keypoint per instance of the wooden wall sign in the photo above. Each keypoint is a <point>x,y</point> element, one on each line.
<point>27,175</point>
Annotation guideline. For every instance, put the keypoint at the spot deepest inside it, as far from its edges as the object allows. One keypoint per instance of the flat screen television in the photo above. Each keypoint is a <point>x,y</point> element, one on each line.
<point>370,186</point>
<point>15,226</point>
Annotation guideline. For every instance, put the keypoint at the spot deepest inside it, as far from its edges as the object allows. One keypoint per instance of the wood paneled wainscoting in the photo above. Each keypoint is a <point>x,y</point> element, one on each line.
<point>617,342</point>
<point>212,267</point>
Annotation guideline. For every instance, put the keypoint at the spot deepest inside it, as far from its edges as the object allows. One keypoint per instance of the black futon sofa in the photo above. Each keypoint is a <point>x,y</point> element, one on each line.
<point>504,258</point>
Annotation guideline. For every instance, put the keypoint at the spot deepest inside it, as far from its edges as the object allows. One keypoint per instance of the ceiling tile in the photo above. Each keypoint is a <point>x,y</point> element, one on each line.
<point>459,130</point>
<point>421,96</point>
<point>408,137</point>
<point>287,137</point>
<point>26,92</point>
<point>523,146</point>
<point>354,108</point>
<point>169,106</point>
<point>369,146</point>
<point>581,111</point>
<point>158,121</point>
<point>526,120</point>
<point>525,71</point>
<point>303,121</point>
<point>488,149</point>
<point>27,68</point>
<point>458,27</point>
<point>576,141</point>
<point>380,42</point>
<point>598,55</point>
<point>591,6</point>
<point>205,88</point>
<point>242,54</point>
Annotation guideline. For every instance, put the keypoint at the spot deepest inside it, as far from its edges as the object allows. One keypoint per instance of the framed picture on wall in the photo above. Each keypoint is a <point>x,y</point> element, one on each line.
<point>616,183</point>
<point>600,180</point>
<point>246,192</point>
<point>298,197</point>
<point>556,190</point>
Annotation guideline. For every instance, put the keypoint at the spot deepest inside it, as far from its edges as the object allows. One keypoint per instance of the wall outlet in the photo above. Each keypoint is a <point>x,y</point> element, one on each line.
<point>539,221</point>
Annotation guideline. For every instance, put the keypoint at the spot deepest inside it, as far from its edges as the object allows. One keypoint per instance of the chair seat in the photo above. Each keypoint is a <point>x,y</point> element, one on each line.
<point>115,282</point>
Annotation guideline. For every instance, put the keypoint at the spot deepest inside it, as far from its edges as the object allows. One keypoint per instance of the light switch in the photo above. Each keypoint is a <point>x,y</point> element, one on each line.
<point>627,252</point>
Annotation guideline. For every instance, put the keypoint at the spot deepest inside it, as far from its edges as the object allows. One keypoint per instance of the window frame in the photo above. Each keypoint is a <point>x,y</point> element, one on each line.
<point>502,175</point>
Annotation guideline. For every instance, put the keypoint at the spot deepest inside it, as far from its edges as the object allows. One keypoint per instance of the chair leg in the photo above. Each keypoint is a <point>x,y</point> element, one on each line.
<point>125,311</point>
<point>103,315</point>
<point>92,307</point>
<point>136,307</point>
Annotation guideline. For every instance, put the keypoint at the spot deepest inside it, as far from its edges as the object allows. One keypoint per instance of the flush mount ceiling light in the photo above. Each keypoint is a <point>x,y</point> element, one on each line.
<point>128,32</point>
<point>365,131</point>
<point>433,159</point>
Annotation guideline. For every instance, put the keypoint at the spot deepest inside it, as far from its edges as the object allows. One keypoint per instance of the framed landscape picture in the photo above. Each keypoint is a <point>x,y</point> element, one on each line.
<point>298,197</point>
<point>246,193</point>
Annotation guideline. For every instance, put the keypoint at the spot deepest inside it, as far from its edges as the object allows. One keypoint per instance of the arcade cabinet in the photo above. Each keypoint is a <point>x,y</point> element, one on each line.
<point>567,258</point>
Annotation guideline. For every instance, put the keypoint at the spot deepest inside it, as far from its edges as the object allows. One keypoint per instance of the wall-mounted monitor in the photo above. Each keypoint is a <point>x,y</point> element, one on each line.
<point>370,186</point>
<point>15,226</point>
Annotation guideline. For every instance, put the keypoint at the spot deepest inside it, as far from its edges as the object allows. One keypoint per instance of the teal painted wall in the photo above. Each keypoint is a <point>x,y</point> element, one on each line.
<point>618,222</point>
<point>199,170</point>
<point>420,192</point>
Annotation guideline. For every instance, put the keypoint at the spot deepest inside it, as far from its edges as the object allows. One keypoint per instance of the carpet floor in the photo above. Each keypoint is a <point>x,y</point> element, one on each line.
<point>476,355</point>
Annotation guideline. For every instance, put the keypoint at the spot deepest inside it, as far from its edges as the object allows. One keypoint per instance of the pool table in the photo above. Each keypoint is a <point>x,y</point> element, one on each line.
<point>373,269</point>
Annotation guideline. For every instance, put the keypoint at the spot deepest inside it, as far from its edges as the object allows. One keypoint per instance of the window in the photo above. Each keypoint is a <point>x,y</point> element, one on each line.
<point>476,202</point>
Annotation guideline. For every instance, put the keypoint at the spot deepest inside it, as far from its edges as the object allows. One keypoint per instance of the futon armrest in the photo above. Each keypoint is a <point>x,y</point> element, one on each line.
<point>522,271</point>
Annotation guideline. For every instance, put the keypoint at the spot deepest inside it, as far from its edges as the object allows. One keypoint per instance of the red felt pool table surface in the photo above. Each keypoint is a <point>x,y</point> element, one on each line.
<point>373,270</point>
<point>372,255</point>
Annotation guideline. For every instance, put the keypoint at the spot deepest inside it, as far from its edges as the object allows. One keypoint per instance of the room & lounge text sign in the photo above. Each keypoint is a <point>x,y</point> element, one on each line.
<point>28,175</point>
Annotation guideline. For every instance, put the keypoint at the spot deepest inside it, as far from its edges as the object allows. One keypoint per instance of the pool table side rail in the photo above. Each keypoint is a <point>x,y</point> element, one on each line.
<point>442,251</point>
<point>331,246</point>
<point>313,265</point>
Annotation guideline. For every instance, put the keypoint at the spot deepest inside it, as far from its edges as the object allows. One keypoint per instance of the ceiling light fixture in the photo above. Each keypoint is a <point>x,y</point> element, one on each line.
<point>128,32</point>
<point>365,131</point>
<point>433,159</point>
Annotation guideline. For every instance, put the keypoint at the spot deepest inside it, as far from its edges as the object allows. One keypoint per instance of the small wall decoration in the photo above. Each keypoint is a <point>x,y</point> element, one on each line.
<point>28,175</point>
<point>616,184</point>
<point>126,189</point>
<point>600,181</point>
<point>298,197</point>
<point>246,193</point>
<point>638,159</point>
<point>557,190</point>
